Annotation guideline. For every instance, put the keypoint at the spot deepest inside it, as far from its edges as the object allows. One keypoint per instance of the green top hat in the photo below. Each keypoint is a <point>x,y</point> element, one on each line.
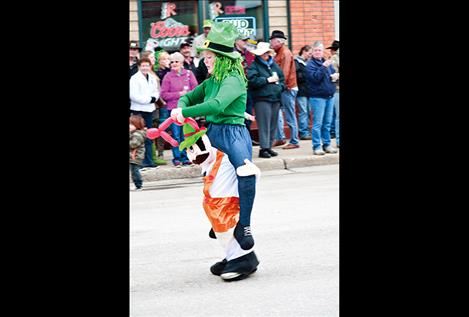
<point>191,135</point>
<point>221,40</point>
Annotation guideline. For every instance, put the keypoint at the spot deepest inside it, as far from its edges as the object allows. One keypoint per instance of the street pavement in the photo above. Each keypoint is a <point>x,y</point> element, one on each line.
<point>295,224</point>
<point>300,157</point>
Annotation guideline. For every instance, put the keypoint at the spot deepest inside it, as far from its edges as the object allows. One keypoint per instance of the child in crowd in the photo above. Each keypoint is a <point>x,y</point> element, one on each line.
<point>136,148</point>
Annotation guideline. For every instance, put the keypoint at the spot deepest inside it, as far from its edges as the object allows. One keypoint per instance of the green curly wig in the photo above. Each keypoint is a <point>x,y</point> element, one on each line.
<point>223,66</point>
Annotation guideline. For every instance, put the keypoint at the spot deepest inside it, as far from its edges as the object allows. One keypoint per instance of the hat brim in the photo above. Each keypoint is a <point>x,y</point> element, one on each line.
<point>332,47</point>
<point>258,52</point>
<point>233,55</point>
<point>191,139</point>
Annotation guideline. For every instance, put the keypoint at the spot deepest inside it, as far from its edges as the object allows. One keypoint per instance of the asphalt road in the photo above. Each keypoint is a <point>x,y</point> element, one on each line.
<point>295,224</point>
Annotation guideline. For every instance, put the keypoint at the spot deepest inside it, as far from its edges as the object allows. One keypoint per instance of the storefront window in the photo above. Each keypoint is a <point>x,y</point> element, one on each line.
<point>246,15</point>
<point>168,24</point>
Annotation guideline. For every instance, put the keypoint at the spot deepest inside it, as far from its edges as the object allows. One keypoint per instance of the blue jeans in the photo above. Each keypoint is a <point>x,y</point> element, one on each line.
<point>235,141</point>
<point>337,117</point>
<point>176,130</point>
<point>303,116</point>
<point>136,176</point>
<point>148,118</point>
<point>288,105</point>
<point>280,135</point>
<point>322,117</point>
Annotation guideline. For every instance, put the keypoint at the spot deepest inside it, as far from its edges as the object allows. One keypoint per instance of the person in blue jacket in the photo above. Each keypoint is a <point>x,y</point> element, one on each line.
<point>320,91</point>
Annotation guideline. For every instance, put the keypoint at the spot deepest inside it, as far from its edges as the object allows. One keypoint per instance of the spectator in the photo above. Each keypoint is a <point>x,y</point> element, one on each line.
<point>136,148</point>
<point>302,99</point>
<point>200,39</point>
<point>158,159</point>
<point>177,83</point>
<point>162,68</point>
<point>248,58</point>
<point>321,89</point>
<point>201,72</point>
<point>335,125</point>
<point>163,64</point>
<point>143,95</point>
<point>266,82</point>
<point>284,59</point>
<point>185,50</point>
<point>134,51</point>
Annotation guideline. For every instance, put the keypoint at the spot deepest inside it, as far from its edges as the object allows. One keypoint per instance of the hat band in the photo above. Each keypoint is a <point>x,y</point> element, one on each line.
<point>218,47</point>
<point>192,133</point>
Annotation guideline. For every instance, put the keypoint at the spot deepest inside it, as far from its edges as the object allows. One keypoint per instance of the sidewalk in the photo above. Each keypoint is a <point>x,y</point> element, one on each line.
<point>301,157</point>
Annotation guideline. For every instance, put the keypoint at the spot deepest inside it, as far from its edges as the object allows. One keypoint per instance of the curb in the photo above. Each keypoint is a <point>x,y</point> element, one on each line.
<point>194,171</point>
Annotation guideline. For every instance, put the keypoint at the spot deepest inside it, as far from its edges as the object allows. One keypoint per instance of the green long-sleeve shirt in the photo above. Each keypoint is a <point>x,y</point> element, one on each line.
<point>221,103</point>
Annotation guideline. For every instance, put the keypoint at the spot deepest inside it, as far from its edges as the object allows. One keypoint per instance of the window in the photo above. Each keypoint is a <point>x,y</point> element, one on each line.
<point>246,15</point>
<point>167,24</point>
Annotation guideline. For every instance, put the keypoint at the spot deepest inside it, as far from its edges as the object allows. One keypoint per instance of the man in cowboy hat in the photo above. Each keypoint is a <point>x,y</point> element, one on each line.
<point>222,99</point>
<point>334,46</point>
<point>221,202</point>
<point>284,58</point>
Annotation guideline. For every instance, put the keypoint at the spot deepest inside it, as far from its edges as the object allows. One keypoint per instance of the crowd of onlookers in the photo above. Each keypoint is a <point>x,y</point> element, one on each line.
<point>302,90</point>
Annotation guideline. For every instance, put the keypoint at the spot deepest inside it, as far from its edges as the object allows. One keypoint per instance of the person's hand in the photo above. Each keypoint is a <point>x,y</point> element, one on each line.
<point>272,79</point>
<point>327,63</point>
<point>250,117</point>
<point>335,76</point>
<point>176,115</point>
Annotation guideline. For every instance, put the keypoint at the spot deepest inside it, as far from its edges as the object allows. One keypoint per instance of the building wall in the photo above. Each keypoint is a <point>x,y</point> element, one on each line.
<point>312,20</point>
<point>133,20</point>
<point>278,17</point>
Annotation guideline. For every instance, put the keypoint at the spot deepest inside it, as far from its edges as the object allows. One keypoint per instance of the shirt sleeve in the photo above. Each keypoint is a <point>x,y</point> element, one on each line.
<point>192,98</point>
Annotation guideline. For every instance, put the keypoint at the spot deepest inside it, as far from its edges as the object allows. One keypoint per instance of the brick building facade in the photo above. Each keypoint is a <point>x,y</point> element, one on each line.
<point>303,21</point>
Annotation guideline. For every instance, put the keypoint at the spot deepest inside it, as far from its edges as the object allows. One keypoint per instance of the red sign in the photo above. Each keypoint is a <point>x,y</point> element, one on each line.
<point>159,29</point>
<point>235,10</point>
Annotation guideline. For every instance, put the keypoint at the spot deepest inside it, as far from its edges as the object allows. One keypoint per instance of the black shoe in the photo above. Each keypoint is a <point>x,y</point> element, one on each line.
<point>211,234</point>
<point>240,268</point>
<point>218,267</point>
<point>272,153</point>
<point>264,153</point>
<point>243,235</point>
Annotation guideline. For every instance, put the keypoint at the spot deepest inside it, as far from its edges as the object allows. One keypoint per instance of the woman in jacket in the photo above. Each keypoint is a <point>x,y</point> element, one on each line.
<point>144,93</point>
<point>177,83</point>
<point>266,83</point>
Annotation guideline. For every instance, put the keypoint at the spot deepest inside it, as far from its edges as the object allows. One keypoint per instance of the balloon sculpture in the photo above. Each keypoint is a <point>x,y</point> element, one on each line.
<point>154,133</point>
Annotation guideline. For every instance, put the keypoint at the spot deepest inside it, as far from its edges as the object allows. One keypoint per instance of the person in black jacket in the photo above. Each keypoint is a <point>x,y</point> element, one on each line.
<point>304,108</point>
<point>134,51</point>
<point>266,83</point>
